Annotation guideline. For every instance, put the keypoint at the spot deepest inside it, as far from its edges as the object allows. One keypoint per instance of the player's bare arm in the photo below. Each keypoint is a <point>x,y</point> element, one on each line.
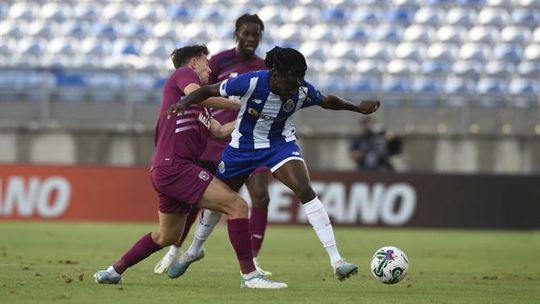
<point>221,131</point>
<point>214,102</point>
<point>194,97</point>
<point>333,102</point>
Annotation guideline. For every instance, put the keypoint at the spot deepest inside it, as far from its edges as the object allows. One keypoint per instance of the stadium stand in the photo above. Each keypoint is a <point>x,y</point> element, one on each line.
<point>433,54</point>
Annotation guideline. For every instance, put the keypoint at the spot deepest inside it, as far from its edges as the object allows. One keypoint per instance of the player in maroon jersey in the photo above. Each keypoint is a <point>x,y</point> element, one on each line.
<point>180,183</point>
<point>229,63</point>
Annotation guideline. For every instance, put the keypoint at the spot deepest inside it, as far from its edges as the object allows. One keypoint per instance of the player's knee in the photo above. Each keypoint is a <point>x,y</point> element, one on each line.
<point>260,197</point>
<point>238,208</point>
<point>165,238</point>
<point>305,192</point>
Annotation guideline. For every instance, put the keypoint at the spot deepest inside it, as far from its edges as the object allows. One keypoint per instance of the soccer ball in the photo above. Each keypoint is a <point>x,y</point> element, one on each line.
<point>389,265</point>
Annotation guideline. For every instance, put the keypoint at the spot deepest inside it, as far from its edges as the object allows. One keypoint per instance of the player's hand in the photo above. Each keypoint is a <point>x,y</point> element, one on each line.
<point>177,108</point>
<point>369,106</point>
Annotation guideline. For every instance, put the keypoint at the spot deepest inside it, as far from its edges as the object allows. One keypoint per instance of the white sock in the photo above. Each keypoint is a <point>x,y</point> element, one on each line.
<point>319,220</point>
<point>207,221</point>
<point>113,272</point>
<point>173,250</point>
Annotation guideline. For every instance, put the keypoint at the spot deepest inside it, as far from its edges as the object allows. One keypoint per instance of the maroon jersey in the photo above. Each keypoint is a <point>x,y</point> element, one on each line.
<point>181,137</point>
<point>224,65</point>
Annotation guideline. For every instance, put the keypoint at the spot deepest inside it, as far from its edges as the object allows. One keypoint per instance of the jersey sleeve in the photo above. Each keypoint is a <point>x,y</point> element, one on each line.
<point>235,86</point>
<point>184,77</point>
<point>314,96</point>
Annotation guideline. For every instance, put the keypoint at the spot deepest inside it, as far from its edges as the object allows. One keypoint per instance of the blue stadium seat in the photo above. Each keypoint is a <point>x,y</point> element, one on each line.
<point>378,50</point>
<point>491,92</point>
<point>536,35</point>
<point>420,34</point>
<point>524,93</point>
<point>305,15</point>
<point>334,15</point>
<point>468,69</point>
<point>11,29</point>
<point>321,32</point>
<point>493,16</point>
<point>429,16</point>
<point>153,12</point>
<point>529,69</point>
<point>366,15</point>
<point>461,16</point>
<point>515,34</point>
<point>526,17</point>
<point>90,11</point>
<point>534,4</point>
<point>410,51</point>
<point>117,12</point>
<point>471,3</point>
<point>499,69</point>
<point>58,12</point>
<point>532,52</point>
<point>345,50</point>
<point>401,15</point>
<point>181,13</point>
<point>474,51</point>
<point>23,11</point>
<point>370,67</point>
<point>272,15</point>
<point>356,34</point>
<point>136,31</point>
<point>294,33</point>
<point>442,52</point>
<point>507,52</point>
<point>451,34</point>
<point>62,46</point>
<point>434,67</point>
<point>75,29</point>
<point>42,29</point>
<point>364,85</point>
<point>339,67</point>
<point>426,92</point>
<point>483,34</point>
<point>164,30</point>
<point>408,3</point>
<point>398,67</point>
<point>499,3</point>
<point>388,33</point>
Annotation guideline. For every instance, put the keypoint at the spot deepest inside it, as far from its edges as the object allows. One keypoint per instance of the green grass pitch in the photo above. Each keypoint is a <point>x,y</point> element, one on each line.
<point>51,262</point>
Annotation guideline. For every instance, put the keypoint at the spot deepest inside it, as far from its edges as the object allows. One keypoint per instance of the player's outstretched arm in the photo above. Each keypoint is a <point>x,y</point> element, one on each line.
<point>222,103</point>
<point>333,102</point>
<point>221,131</point>
<point>195,97</point>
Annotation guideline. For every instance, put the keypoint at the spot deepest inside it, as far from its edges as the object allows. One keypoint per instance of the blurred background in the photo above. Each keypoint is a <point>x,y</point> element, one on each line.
<point>80,81</point>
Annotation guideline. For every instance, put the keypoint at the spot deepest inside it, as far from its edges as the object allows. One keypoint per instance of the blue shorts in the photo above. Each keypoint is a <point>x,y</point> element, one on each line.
<point>239,162</point>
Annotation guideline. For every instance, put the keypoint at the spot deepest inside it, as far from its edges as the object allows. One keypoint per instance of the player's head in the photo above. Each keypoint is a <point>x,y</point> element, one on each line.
<point>248,33</point>
<point>288,70</point>
<point>194,57</point>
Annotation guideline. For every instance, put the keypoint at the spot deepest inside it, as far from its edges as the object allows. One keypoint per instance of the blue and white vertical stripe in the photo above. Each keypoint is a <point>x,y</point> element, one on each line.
<point>264,119</point>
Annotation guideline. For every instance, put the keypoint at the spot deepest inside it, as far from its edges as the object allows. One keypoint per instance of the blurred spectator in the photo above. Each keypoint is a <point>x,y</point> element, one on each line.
<point>372,148</point>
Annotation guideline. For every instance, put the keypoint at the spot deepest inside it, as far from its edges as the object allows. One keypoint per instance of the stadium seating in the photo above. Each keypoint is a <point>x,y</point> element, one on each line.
<point>466,48</point>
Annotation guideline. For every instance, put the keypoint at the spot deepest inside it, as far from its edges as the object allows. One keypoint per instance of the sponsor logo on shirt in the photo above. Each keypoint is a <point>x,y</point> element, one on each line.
<point>203,175</point>
<point>257,101</point>
<point>288,106</point>
<point>254,112</point>
<point>221,167</point>
<point>296,153</point>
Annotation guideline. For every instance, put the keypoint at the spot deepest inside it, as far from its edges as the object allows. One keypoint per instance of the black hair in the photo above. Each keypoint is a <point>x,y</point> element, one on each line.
<point>287,62</point>
<point>181,56</point>
<point>247,18</point>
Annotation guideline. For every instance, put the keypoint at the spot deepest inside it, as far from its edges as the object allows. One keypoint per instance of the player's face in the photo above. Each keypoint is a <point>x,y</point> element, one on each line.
<point>201,67</point>
<point>284,86</point>
<point>248,37</point>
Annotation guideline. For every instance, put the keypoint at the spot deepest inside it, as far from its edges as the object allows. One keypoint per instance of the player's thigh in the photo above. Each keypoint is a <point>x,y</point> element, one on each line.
<point>294,174</point>
<point>220,197</point>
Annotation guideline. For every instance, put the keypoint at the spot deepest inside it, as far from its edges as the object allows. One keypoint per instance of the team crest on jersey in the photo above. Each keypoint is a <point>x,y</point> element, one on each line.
<point>221,167</point>
<point>203,175</point>
<point>288,106</point>
<point>253,112</point>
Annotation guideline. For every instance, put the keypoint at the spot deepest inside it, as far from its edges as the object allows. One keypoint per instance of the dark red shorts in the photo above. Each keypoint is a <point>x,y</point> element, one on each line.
<point>180,186</point>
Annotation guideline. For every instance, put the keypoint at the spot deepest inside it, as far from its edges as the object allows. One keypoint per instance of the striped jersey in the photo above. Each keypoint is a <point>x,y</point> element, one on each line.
<point>264,119</point>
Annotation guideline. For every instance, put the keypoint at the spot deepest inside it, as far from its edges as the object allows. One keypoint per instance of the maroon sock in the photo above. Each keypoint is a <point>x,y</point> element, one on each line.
<point>257,226</point>
<point>239,236</point>
<point>189,222</point>
<point>143,248</point>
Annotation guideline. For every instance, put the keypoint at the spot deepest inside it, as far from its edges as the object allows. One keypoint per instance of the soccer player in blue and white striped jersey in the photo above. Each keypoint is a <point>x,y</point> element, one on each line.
<point>264,134</point>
